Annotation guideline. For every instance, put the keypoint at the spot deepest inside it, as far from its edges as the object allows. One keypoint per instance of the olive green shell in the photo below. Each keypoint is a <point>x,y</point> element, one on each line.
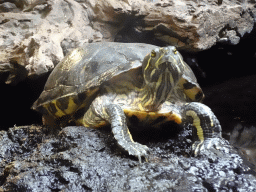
<point>84,69</point>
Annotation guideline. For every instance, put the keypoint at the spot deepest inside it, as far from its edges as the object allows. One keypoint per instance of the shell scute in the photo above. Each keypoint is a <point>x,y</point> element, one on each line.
<point>80,74</point>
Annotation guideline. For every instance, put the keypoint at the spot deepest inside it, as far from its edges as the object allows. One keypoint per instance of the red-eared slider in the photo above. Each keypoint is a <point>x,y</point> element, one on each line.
<point>109,83</point>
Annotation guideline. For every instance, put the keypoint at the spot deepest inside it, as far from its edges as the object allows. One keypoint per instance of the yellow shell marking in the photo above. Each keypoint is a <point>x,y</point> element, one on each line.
<point>74,57</point>
<point>71,106</point>
<point>81,122</point>
<point>58,113</point>
<point>141,115</point>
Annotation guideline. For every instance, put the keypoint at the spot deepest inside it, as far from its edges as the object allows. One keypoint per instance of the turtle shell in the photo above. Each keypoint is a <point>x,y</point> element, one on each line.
<point>76,80</point>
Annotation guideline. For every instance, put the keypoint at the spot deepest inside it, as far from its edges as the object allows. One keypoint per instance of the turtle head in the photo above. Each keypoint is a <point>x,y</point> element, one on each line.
<point>162,70</point>
<point>162,63</point>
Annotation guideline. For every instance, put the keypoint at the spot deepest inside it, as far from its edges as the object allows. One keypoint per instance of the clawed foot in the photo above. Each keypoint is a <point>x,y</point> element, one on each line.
<point>215,145</point>
<point>137,150</point>
<point>117,118</point>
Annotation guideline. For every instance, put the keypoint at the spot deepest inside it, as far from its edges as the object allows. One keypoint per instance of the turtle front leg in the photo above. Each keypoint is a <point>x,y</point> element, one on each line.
<point>208,128</point>
<point>116,117</point>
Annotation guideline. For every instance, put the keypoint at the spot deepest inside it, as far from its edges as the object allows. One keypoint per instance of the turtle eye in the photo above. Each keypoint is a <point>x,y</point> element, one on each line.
<point>174,51</point>
<point>153,53</point>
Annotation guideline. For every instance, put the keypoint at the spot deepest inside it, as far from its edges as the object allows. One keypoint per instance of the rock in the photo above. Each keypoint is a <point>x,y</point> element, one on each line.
<point>37,34</point>
<point>244,139</point>
<point>233,101</point>
<point>33,158</point>
<point>32,37</point>
<point>7,7</point>
<point>190,25</point>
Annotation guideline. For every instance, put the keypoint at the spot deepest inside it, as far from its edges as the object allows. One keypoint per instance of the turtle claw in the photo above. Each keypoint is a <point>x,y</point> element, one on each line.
<point>138,150</point>
<point>215,145</point>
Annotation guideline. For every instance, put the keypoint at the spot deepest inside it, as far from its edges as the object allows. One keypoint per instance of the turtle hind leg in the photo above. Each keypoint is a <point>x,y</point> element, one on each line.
<point>116,117</point>
<point>207,126</point>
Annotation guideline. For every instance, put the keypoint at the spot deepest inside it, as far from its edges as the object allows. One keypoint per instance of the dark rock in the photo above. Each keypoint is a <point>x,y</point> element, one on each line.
<point>244,139</point>
<point>7,7</point>
<point>233,101</point>
<point>34,158</point>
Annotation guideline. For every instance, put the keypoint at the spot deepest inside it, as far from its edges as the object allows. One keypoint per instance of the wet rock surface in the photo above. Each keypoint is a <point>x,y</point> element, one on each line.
<point>34,158</point>
<point>34,37</point>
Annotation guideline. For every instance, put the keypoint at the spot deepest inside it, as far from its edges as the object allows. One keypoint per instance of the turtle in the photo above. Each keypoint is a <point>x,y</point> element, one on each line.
<point>110,83</point>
